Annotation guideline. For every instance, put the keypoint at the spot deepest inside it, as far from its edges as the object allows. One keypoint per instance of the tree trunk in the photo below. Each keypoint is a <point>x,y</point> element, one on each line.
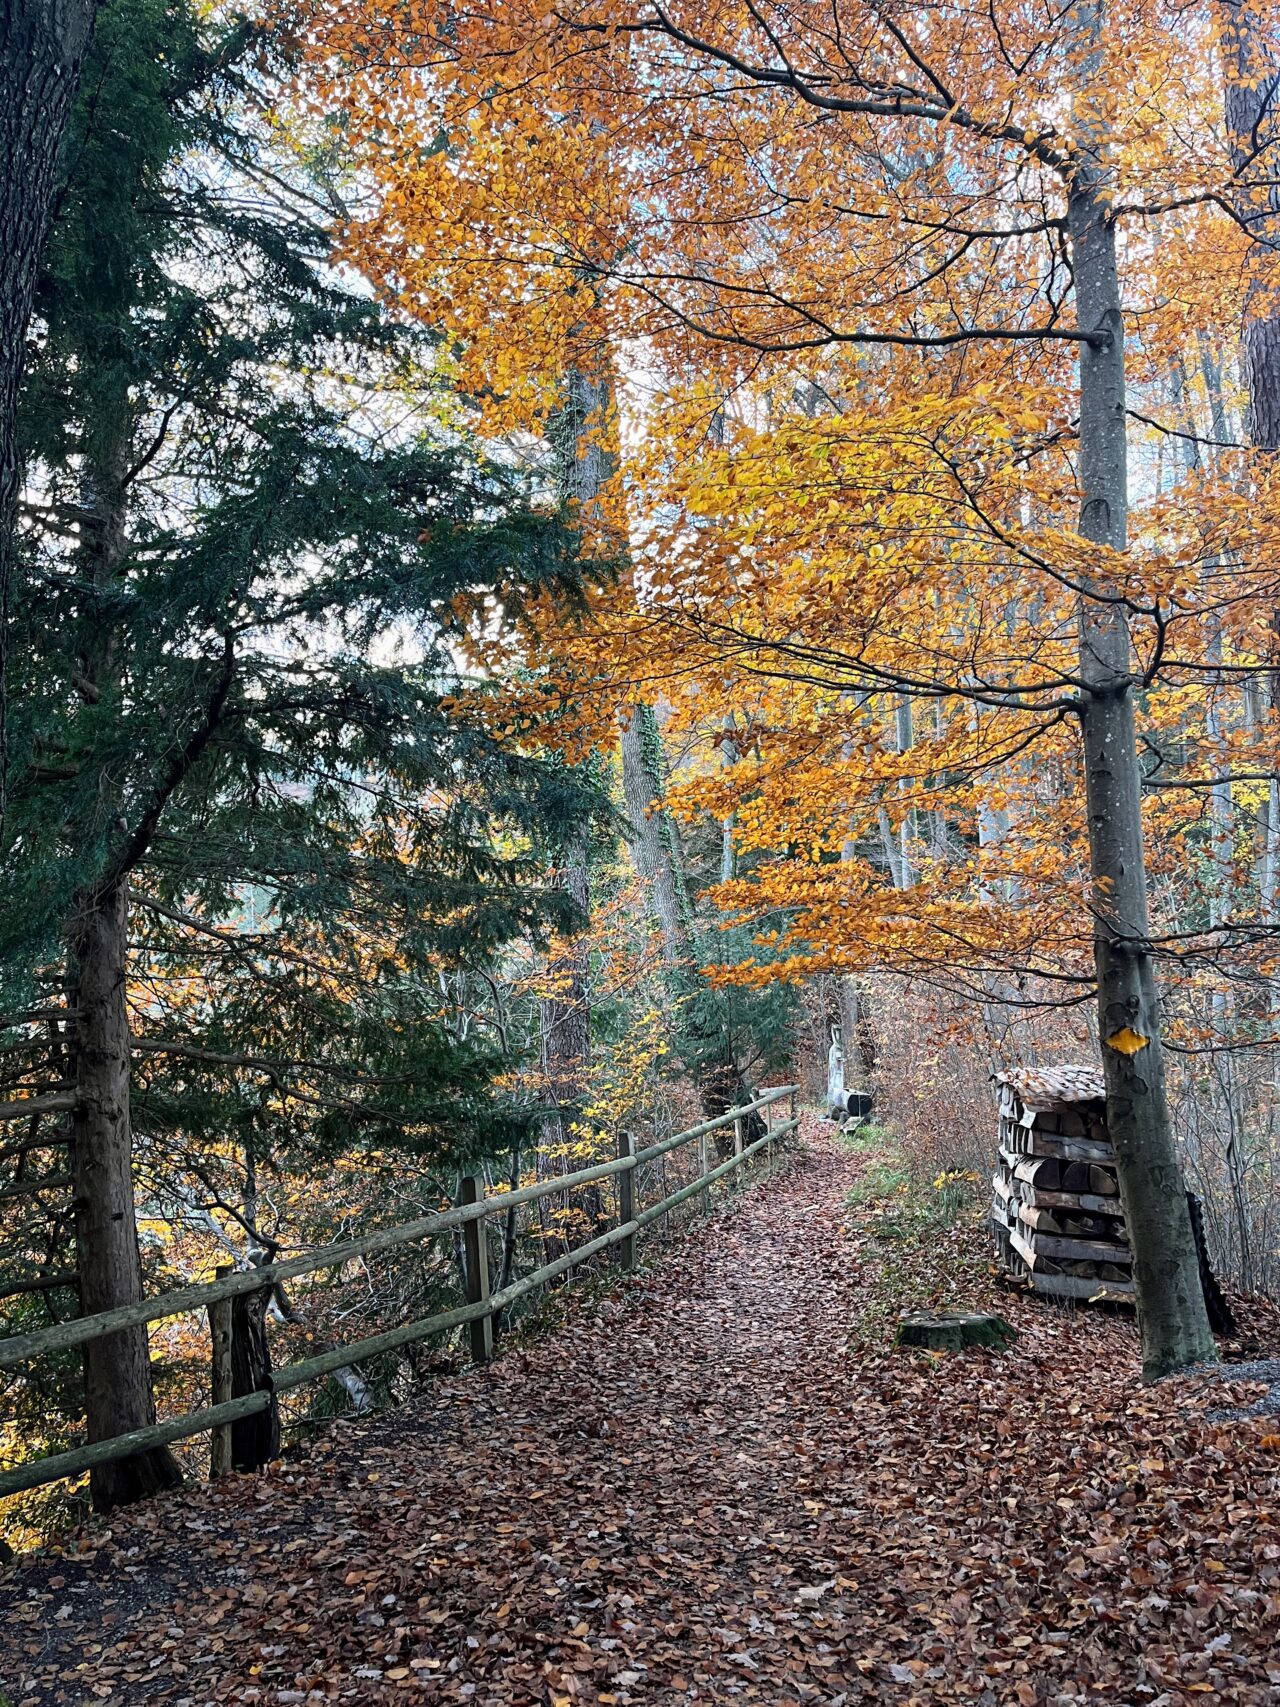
<point>582,438</point>
<point>651,835</point>
<point>1175,1331</point>
<point>908,831</point>
<point>856,1033</point>
<point>728,826</point>
<point>564,1026</point>
<point>1251,103</point>
<point>117,1369</point>
<point>42,46</point>
<point>118,1394</point>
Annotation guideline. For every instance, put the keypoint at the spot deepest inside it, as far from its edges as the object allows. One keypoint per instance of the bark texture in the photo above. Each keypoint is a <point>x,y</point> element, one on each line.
<point>564,1026</point>
<point>255,1440</point>
<point>1250,46</point>
<point>117,1368</point>
<point>856,1031</point>
<point>719,1073</point>
<point>118,1394</point>
<point>1171,1313</point>
<point>580,438</point>
<point>1250,35</point>
<point>650,833</point>
<point>42,47</point>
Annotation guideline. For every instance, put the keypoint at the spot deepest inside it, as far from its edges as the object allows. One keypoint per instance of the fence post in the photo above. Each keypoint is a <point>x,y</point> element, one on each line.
<point>476,1242</point>
<point>220,1375</point>
<point>627,1200</point>
<point>704,1160</point>
<point>255,1440</point>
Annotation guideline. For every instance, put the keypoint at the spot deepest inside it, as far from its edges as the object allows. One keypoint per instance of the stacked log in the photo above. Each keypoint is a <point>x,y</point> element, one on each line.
<point>1056,1209</point>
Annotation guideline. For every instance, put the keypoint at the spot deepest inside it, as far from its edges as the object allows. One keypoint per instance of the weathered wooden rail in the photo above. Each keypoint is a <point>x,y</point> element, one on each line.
<point>477,1313</point>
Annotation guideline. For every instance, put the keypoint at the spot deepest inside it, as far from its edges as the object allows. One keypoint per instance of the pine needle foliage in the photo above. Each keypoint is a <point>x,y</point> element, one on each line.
<point>253,509</point>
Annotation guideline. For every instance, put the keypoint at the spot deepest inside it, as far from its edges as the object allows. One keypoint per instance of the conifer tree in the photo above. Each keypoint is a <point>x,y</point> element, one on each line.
<point>41,50</point>
<point>254,808</point>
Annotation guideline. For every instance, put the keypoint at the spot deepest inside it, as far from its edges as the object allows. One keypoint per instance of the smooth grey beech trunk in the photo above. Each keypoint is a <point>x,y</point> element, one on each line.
<point>42,47</point>
<point>1171,1313</point>
<point>1251,106</point>
<point>650,834</point>
<point>589,460</point>
<point>856,1033</point>
<point>719,1073</point>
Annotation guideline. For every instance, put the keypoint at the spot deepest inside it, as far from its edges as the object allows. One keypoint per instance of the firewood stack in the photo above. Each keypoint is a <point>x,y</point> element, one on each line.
<point>1056,1212</point>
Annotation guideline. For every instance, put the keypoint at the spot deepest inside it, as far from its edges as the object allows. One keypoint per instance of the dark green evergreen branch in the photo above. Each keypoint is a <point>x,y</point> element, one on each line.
<point>128,855</point>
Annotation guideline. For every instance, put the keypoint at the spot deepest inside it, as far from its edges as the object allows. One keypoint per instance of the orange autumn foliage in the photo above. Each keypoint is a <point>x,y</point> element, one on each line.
<point>823,248</point>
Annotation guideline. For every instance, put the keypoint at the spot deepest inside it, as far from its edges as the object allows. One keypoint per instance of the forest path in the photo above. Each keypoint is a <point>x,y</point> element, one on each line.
<point>709,1489</point>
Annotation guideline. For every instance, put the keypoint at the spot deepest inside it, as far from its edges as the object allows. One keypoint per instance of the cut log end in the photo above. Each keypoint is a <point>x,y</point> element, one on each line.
<point>953,1331</point>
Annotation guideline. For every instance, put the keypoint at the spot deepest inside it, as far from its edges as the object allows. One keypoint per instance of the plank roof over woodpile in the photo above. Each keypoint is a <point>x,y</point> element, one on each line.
<point>1047,1088</point>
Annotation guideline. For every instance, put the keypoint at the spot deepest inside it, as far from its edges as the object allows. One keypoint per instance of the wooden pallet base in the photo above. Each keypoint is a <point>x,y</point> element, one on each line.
<point>1072,1286</point>
<point>1081,1257</point>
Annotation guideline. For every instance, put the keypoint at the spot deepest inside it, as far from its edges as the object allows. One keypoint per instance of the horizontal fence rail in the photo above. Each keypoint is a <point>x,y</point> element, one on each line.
<point>480,1309</point>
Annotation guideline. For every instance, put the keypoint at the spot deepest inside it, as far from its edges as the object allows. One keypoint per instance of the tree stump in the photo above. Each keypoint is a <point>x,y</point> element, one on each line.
<point>953,1330</point>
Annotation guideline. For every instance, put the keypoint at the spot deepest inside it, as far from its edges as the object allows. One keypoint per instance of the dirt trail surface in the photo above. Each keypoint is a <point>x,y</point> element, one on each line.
<point>719,1486</point>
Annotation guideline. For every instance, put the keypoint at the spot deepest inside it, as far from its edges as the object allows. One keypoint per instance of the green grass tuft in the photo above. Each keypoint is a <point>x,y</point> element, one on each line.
<point>868,1136</point>
<point>882,1178</point>
<point>925,1232</point>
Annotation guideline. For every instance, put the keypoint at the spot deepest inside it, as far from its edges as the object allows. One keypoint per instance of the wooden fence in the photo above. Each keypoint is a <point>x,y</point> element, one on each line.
<point>476,1314</point>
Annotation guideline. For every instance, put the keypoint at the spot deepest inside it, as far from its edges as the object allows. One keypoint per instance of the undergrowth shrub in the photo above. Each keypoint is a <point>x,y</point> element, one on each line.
<point>933,1091</point>
<point>868,1136</point>
<point>926,1238</point>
